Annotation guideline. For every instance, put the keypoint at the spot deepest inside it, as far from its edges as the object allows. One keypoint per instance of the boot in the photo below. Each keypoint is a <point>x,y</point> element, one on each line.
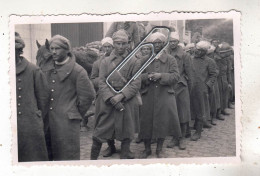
<point>206,124</point>
<point>148,150</point>
<point>219,116</point>
<point>188,132</point>
<point>138,140</point>
<point>225,112</point>
<point>125,150</point>
<point>182,144</point>
<point>95,149</point>
<point>173,142</point>
<point>230,106</point>
<point>159,148</point>
<point>213,119</point>
<point>111,149</point>
<point>197,133</point>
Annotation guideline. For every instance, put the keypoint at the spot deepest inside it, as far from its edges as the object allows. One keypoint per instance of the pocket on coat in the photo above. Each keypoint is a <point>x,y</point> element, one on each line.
<point>74,114</point>
<point>39,113</point>
<point>171,91</point>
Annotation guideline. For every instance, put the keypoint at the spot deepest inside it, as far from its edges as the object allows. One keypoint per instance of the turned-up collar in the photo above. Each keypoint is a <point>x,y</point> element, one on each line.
<point>113,55</point>
<point>21,66</point>
<point>178,52</point>
<point>65,70</point>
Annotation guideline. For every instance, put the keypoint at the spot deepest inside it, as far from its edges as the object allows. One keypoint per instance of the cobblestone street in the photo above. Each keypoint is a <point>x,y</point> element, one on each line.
<point>219,141</point>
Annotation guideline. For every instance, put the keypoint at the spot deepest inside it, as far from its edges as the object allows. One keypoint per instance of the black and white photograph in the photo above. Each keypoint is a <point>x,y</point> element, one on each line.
<point>160,88</point>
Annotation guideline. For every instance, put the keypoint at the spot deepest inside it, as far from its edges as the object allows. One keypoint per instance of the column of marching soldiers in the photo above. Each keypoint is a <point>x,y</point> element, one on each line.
<point>192,81</point>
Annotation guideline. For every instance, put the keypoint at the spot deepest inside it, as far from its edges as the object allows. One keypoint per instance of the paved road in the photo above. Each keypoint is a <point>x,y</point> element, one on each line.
<point>215,142</point>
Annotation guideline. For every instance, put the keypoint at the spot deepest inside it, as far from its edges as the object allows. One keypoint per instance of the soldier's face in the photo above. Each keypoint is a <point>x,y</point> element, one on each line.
<point>58,54</point>
<point>146,50</point>
<point>158,45</point>
<point>120,47</point>
<point>107,48</point>
<point>199,52</point>
<point>174,43</point>
<point>215,43</point>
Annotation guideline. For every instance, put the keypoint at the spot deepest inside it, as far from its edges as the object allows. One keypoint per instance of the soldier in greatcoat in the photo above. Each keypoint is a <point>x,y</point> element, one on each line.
<point>203,80</point>
<point>130,27</point>
<point>182,89</point>
<point>107,47</point>
<point>118,114</point>
<point>159,115</point>
<point>72,94</point>
<point>32,103</point>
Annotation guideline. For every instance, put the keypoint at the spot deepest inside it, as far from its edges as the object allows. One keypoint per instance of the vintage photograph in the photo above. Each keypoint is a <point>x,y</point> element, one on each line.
<point>116,90</point>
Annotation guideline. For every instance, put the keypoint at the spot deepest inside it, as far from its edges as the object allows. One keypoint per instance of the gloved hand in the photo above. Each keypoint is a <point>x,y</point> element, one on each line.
<point>116,99</point>
<point>119,106</point>
<point>154,76</point>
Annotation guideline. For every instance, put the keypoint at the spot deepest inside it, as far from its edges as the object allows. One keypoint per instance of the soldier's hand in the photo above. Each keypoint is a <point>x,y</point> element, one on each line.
<point>116,99</point>
<point>156,76</point>
<point>229,86</point>
<point>119,106</point>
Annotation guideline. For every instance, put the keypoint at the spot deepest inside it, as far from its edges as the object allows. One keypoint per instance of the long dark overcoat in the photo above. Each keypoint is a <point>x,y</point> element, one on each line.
<point>203,81</point>
<point>184,85</point>
<point>111,123</point>
<point>32,101</point>
<point>71,96</point>
<point>159,115</point>
<point>224,78</point>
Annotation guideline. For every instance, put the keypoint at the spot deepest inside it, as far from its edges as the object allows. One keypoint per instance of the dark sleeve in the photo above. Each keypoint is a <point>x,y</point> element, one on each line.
<point>111,30</point>
<point>95,74</point>
<point>212,73</point>
<point>188,70</point>
<point>85,92</point>
<point>42,92</point>
<point>229,66</point>
<point>173,76</point>
<point>104,89</point>
<point>136,36</point>
<point>132,89</point>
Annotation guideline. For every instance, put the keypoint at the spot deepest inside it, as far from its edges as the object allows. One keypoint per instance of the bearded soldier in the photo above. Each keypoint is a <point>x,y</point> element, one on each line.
<point>118,112</point>
<point>72,94</point>
<point>182,89</point>
<point>204,78</point>
<point>32,103</point>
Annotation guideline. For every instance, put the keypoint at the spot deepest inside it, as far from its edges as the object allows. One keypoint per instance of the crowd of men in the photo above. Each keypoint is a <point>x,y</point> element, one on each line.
<point>192,81</point>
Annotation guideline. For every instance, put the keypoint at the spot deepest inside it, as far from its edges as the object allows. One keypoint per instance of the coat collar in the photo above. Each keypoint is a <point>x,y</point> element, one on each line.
<point>65,70</point>
<point>163,57</point>
<point>178,52</point>
<point>21,66</point>
<point>113,55</point>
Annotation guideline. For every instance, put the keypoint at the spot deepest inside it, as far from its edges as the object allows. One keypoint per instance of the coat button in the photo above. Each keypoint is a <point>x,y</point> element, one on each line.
<point>156,86</point>
<point>52,90</point>
<point>19,96</point>
<point>53,81</point>
<point>19,88</point>
<point>19,80</point>
<point>19,113</point>
<point>52,99</point>
<point>51,108</point>
<point>18,104</point>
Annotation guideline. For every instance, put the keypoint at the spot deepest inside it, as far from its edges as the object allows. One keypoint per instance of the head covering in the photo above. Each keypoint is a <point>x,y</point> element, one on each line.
<point>120,35</point>
<point>174,35</point>
<point>211,49</point>
<point>203,45</point>
<point>107,40</point>
<point>19,43</point>
<point>157,35</point>
<point>189,46</point>
<point>224,47</point>
<point>61,41</point>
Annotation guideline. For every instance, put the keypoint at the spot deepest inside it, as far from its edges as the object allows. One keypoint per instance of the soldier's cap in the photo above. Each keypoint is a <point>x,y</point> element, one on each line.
<point>157,36</point>
<point>107,40</point>
<point>19,43</point>
<point>224,47</point>
<point>61,41</point>
<point>120,36</point>
<point>204,45</point>
<point>174,35</point>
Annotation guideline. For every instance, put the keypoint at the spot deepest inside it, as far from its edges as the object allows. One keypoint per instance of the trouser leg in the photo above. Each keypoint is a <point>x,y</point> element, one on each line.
<point>148,150</point>
<point>95,149</point>
<point>160,142</point>
<point>111,148</point>
<point>125,150</point>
